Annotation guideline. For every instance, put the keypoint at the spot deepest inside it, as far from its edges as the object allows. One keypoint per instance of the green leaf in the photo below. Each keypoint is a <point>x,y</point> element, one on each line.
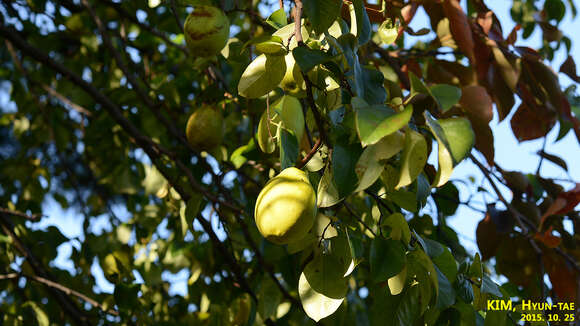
<point>377,121</point>
<point>555,9</point>
<point>262,76</point>
<point>446,96</point>
<point>340,248</point>
<point>267,131</point>
<point>455,139</point>
<point>476,269</point>
<point>290,112</point>
<point>41,316</point>
<point>238,158</point>
<point>327,194</point>
<point>288,148</point>
<point>446,264</point>
<point>398,226</point>
<point>495,317</point>
<point>269,298</point>
<point>464,290</point>
<point>373,85</point>
<point>387,259</point>
<point>446,294</point>
<point>285,32</point>
<point>308,58</point>
<point>413,158</point>
<point>417,86</point>
<point>388,31</point>
<point>269,45</point>
<point>322,287</point>
<point>277,19</point>
<point>460,137</point>
<point>424,275</point>
<point>322,13</point>
<point>405,199</point>
<point>126,296</point>
<point>344,158</point>
<point>489,286</point>
<point>360,25</point>
<point>153,181</point>
<point>188,212</point>
<point>369,166</point>
<point>446,199</point>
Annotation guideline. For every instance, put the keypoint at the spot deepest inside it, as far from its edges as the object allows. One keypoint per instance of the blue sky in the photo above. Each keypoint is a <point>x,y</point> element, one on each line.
<point>510,155</point>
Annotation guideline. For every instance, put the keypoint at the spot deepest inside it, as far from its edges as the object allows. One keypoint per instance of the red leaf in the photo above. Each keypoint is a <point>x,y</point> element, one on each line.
<point>565,202</point>
<point>569,68</point>
<point>488,239</point>
<point>562,277</point>
<point>532,122</point>
<point>513,36</point>
<point>459,27</point>
<point>547,238</point>
<point>476,102</point>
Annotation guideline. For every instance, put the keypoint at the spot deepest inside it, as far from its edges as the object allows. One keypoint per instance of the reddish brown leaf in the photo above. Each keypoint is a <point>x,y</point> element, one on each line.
<point>513,35</point>
<point>547,238</point>
<point>447,72</point>
<point>413,66</point>
<point>532,122</point>
<point>507,63</point>
<point>488,239</point>
<point>538,75</point>
<point>460,28</point>
<point>517,260</point>
<point>501,94</point>
<point>569,68</point>
<point>565,202</point>
<point>408,12</point>
<point>562,276</point>
<point>475,100</point>
<point>478,105</point>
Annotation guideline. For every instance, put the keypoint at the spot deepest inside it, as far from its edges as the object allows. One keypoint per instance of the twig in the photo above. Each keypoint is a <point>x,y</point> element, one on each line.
<point>358,218</point>
<point>123,13</point>
<point>153,150</point>
<point>77,315</point>
<point>542,156</point>
<point>33,217</point>
<point>62,288</point>
<point>515,213</point>
<point>309,156</point>
<point>298,21</point>
<point>176,16</point>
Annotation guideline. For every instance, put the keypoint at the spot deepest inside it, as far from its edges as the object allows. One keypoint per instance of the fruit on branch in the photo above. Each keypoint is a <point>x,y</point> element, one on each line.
<point>207,29</point>
<point>293,82</point>
<point>204,128</point>
<point>286,207</point>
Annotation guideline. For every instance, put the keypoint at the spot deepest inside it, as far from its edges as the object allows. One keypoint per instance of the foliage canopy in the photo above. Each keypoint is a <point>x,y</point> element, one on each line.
<point>97,98</point>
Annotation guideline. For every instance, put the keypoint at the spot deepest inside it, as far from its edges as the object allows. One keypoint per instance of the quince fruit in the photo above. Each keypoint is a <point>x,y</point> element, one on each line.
<point>204,128</point>
<point>286,207</point>
<point>207,30</point>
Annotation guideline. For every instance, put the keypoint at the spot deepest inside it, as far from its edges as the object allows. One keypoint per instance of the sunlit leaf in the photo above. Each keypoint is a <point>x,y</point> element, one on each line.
<point>262,76</point>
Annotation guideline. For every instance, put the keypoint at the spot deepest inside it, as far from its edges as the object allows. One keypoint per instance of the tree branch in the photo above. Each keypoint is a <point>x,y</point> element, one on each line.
<point>153,150</point>
<point>78,316</point>
<point>62,288</point>
<point>311,154</point>
<point>33,217</point>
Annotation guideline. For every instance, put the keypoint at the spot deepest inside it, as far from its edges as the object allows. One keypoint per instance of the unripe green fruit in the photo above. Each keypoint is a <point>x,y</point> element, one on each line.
<point>207,29</point>
<point>204,129</point>
<point>286,207</point>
